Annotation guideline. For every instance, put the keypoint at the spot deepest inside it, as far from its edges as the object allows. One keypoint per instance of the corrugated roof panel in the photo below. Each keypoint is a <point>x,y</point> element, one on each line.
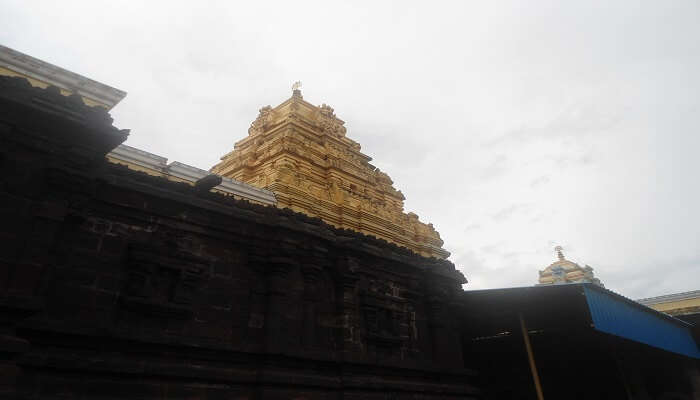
<point>617,317</point>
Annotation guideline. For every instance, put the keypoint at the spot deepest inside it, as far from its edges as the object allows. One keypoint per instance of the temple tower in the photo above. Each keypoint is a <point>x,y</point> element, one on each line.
<point>300,152</point>
<point>566,271</point>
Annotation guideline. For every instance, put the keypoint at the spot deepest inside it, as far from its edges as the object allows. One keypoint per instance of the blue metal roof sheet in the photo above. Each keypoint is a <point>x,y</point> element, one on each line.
<point>618,316</point>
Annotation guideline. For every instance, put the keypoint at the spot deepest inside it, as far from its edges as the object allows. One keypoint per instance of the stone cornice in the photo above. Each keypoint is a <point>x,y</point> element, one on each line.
<point>59,77</point>
<point>139,157</point>
<point>63,125</point>
<point>669,298</point>
<point>188,173</point>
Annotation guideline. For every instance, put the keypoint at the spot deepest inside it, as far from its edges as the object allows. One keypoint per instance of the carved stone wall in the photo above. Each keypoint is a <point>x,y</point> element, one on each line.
<point>117,284</point>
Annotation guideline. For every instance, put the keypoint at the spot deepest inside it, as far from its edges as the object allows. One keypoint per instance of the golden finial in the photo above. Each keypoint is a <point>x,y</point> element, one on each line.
<point>296,92</point>
<point>559,251</point>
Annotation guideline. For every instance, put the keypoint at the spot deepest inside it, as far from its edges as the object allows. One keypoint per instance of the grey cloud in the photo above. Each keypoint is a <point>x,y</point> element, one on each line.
<point>539,181</point>
<point>669,276</point>
<point>510,211</point>
<point>472,227</point>
<point>495,167</point>
<point>576,122</point>
<point>566,160</point>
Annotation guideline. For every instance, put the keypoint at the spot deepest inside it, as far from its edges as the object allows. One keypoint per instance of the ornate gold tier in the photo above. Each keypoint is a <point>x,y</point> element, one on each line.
<point>565,271</point>
<point>300,152</point>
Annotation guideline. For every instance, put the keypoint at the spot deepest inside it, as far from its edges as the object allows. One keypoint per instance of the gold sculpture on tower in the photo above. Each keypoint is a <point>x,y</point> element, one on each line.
<point>300,152</point>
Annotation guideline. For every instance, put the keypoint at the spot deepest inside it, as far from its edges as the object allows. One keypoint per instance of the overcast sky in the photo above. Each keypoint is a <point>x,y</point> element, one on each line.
<point>511,126</point>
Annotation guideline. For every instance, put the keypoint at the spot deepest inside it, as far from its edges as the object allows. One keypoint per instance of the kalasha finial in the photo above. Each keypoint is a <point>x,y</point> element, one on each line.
<point>559,250</point>
<point>296,92</point>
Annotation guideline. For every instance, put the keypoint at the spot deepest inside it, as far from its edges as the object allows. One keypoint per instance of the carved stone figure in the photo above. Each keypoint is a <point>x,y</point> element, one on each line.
<point>261,121</point>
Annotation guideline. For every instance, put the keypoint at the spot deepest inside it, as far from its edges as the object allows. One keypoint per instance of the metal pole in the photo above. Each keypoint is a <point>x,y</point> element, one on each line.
<point>530,357</point>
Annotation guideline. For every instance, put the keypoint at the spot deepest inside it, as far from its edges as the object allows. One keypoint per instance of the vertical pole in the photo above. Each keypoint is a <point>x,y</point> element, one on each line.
<point>530,357</point>
<point>620,370</point>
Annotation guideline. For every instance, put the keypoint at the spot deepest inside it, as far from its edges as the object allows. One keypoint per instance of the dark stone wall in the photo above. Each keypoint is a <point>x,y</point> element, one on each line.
<point>115,284</point>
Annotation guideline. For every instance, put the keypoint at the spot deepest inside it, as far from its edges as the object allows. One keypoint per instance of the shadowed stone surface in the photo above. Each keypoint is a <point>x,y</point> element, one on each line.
<point>116,284</point>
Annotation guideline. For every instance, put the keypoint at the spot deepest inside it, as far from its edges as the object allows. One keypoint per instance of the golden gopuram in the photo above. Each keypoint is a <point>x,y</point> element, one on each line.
<point>299,151</point>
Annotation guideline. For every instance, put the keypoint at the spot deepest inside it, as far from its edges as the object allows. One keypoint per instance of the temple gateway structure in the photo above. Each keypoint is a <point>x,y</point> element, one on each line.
<point>301,153</point>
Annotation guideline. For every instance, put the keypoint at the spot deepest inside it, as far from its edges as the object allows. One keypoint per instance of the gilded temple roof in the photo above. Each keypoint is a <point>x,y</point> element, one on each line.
<point>301,152</point>
<point>566,271</point>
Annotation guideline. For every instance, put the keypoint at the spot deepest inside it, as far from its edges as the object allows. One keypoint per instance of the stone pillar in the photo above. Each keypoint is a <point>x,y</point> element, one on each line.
<point>349,320</point>
<point>312,274</point>
<point>447,348</point>
<point>277,332</point>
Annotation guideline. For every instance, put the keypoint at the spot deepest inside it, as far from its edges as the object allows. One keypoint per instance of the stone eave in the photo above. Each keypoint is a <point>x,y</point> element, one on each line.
<point>188,173</point>
<point>670,298</point>
<point>59,77</point>
<point>139,157</point>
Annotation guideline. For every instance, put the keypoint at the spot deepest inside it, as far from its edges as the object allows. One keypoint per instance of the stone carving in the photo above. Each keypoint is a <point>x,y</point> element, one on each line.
<point>389,320</point>
<point>329,123</point>
<point>162,280</point>
<point>261,121</point>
